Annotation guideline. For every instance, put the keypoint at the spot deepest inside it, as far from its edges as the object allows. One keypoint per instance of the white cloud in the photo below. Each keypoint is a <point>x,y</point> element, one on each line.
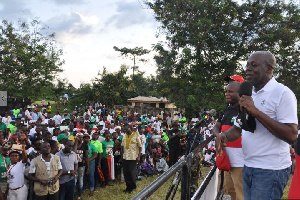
<point>14,10</point>
<point>72,27</point>
<point>129,14</point>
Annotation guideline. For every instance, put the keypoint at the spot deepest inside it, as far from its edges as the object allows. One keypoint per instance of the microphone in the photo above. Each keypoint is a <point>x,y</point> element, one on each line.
<point>245,89</point>
<point>248,121</point>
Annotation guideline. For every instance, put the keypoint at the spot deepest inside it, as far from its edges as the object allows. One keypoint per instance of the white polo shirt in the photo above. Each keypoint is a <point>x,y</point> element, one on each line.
<point>261,148</point>
<point>16,175</point>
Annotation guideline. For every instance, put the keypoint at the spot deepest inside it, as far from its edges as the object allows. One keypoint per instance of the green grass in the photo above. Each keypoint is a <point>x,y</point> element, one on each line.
<point>116,191</point>
<point>286,189</point>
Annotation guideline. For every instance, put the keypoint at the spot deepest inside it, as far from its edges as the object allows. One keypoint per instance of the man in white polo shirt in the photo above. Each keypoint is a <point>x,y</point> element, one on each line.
<point>267,155</point>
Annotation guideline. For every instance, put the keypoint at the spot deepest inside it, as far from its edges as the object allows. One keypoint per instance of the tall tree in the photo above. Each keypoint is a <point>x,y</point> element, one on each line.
<point>206,40</point>
<point>29,60</point>
<point>134,53</point>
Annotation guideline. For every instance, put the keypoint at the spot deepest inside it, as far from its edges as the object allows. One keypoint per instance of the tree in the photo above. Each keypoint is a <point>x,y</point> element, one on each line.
<point>134,53</point>
<point>206,40</point>
<point>29,60</point>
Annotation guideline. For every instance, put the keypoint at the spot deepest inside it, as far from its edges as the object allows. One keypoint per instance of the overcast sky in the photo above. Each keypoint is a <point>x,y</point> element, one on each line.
<point>87,30</point>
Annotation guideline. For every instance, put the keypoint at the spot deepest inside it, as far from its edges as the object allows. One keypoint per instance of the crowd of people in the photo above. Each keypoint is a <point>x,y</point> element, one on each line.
<point>48,157</point>
<point>90,148</point>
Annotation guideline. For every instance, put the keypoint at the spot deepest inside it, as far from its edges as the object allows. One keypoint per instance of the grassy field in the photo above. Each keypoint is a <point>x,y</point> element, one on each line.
<point>116,191</point>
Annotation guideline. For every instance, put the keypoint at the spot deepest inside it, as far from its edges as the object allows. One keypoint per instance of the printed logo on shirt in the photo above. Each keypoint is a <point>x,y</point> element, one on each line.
<point>233,119</point>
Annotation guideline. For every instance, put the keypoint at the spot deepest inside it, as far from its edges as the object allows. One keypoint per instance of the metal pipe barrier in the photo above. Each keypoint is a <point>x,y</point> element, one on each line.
<point>182,164</point>
<point>204,184</point>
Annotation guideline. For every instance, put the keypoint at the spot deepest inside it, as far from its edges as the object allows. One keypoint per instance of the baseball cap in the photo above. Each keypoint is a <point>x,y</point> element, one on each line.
<point>235,77</point>
<point>79,134</point>
<point>101,123</point>
<point>62,136</point>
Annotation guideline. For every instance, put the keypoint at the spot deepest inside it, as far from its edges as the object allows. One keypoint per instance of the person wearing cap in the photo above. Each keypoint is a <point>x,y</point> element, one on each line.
<point>93,153</point>
<point>107,165</point>
<point>67,120</point>
<point>235,77</point>
<point>17,189</point>
<point>98,159</point>
<point>233,179</point>
<point>130,154</point>
<point>45,171</point>
<point>72,132</point>
<point>35,114</point>
<point>82,151</point>
<point>100,132</point>
<point>266,150</point>
<point>62,139</point>
<point>12,127</point>
<point>69,163</point>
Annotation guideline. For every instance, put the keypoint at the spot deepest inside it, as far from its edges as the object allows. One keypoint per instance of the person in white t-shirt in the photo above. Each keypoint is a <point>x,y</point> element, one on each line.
<point>57,118</point>
<point>17,189</point>
<point>266,150</point>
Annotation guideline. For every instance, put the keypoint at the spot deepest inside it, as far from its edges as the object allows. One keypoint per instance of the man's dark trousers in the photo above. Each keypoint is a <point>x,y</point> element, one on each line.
<point>129,169</point>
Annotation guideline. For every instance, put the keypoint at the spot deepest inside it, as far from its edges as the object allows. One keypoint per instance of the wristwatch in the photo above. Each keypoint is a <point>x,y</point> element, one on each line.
<point>69,172</point>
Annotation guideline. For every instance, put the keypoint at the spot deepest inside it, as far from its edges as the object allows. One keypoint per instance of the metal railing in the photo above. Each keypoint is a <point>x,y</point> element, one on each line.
<point>184,164</point>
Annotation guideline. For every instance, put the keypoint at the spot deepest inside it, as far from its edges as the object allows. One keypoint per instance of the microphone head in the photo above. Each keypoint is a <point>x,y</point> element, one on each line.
<point>245,89</point>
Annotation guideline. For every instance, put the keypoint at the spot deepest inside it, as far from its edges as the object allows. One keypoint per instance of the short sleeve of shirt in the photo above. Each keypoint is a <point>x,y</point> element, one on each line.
<point>286,111</point>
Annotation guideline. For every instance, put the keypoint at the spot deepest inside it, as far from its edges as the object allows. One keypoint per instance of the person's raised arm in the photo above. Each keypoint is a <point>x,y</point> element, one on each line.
<point>285,131</point>
<point>24,159</point>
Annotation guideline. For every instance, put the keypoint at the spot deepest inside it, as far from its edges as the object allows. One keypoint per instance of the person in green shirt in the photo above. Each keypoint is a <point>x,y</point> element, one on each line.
<point>16,111</point>
<point>2,125</point>
<point>92,156</point>
<point>98,146</point>
<point>12,127</point>
<point>107,167</point>
<point>4,165</point>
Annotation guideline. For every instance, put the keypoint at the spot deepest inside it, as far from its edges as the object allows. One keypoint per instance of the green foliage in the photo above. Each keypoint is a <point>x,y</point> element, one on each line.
<point>115,88</point>
<point>206,40</point>
<point>29,60</point>
<point>133,53</point>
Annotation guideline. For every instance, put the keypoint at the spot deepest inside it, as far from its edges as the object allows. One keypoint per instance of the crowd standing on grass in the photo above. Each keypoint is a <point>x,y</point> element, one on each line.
<point>65,154</point>
<point>93,147</point>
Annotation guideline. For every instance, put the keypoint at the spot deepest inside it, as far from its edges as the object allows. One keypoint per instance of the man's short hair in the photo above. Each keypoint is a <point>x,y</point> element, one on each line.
<point>34,140</point>
<point>269,58</point>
